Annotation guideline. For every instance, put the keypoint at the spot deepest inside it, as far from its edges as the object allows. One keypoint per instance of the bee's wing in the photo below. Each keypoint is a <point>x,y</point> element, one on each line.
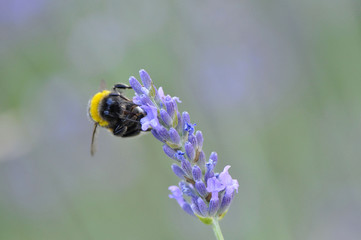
<point>92,145</point>
<point>103,85</point>
<point>125,98</point>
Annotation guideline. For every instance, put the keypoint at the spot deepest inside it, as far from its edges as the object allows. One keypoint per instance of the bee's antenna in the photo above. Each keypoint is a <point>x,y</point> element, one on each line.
<point>92,146</point>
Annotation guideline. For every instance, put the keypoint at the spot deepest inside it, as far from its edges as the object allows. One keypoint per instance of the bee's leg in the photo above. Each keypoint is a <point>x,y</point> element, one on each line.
<point>121,86</point>
<point>131,134</point>
<point>132,131</point>
<point>120,130</point>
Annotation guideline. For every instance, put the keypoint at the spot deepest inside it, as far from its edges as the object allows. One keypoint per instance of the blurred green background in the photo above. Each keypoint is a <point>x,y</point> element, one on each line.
<point>273,85</point>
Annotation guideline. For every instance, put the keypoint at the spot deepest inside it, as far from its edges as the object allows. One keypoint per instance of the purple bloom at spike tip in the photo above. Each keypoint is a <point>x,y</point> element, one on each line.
<point>206,194</point>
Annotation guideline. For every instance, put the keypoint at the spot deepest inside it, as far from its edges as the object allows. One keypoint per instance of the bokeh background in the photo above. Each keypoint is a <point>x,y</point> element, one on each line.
<point>273,85</point>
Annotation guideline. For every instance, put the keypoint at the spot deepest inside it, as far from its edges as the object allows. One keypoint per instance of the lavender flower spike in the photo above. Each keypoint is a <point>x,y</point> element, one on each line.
<point>202,192</point>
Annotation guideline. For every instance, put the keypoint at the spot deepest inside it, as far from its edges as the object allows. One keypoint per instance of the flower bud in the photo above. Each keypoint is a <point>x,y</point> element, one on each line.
<point>170,152</point>
<point>202,160</point>
<point>201,188</point>
<point>226,202</point>
<point>147,81</point>
<point>214,158</point>
<point>187,167</point>
<point>180,123</point>
<point>199,137</point>
<point>193,140</point>
<point>178,171</point>
<point>197,173</point>
<point>190,151</point>
<point>187,208</point>
<point>213,206</point>
<point>162,132</point>
<point>165,117</point>
<point>202,207</point>
<point>137,87</point>
<point>174,136</point>
<point>195,208</point>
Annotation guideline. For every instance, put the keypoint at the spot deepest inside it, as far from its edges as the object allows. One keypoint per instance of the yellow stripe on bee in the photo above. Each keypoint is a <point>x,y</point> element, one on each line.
<point>94,108</point>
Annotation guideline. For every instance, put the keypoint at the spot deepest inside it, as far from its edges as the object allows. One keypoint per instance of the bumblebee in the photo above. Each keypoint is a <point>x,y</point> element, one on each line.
<point>114,111</point>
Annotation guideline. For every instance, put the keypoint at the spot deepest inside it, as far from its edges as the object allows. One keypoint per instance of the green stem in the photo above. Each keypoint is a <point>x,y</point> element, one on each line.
<point>217,229</point>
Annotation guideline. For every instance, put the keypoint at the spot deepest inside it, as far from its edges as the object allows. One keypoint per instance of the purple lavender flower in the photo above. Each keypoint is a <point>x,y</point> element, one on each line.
<point>201,191</point>
<point>151,119</point>
<point>178,195</point>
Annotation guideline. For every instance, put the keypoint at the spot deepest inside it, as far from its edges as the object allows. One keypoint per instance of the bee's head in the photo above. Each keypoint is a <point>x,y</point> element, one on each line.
<point>94,108</point>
